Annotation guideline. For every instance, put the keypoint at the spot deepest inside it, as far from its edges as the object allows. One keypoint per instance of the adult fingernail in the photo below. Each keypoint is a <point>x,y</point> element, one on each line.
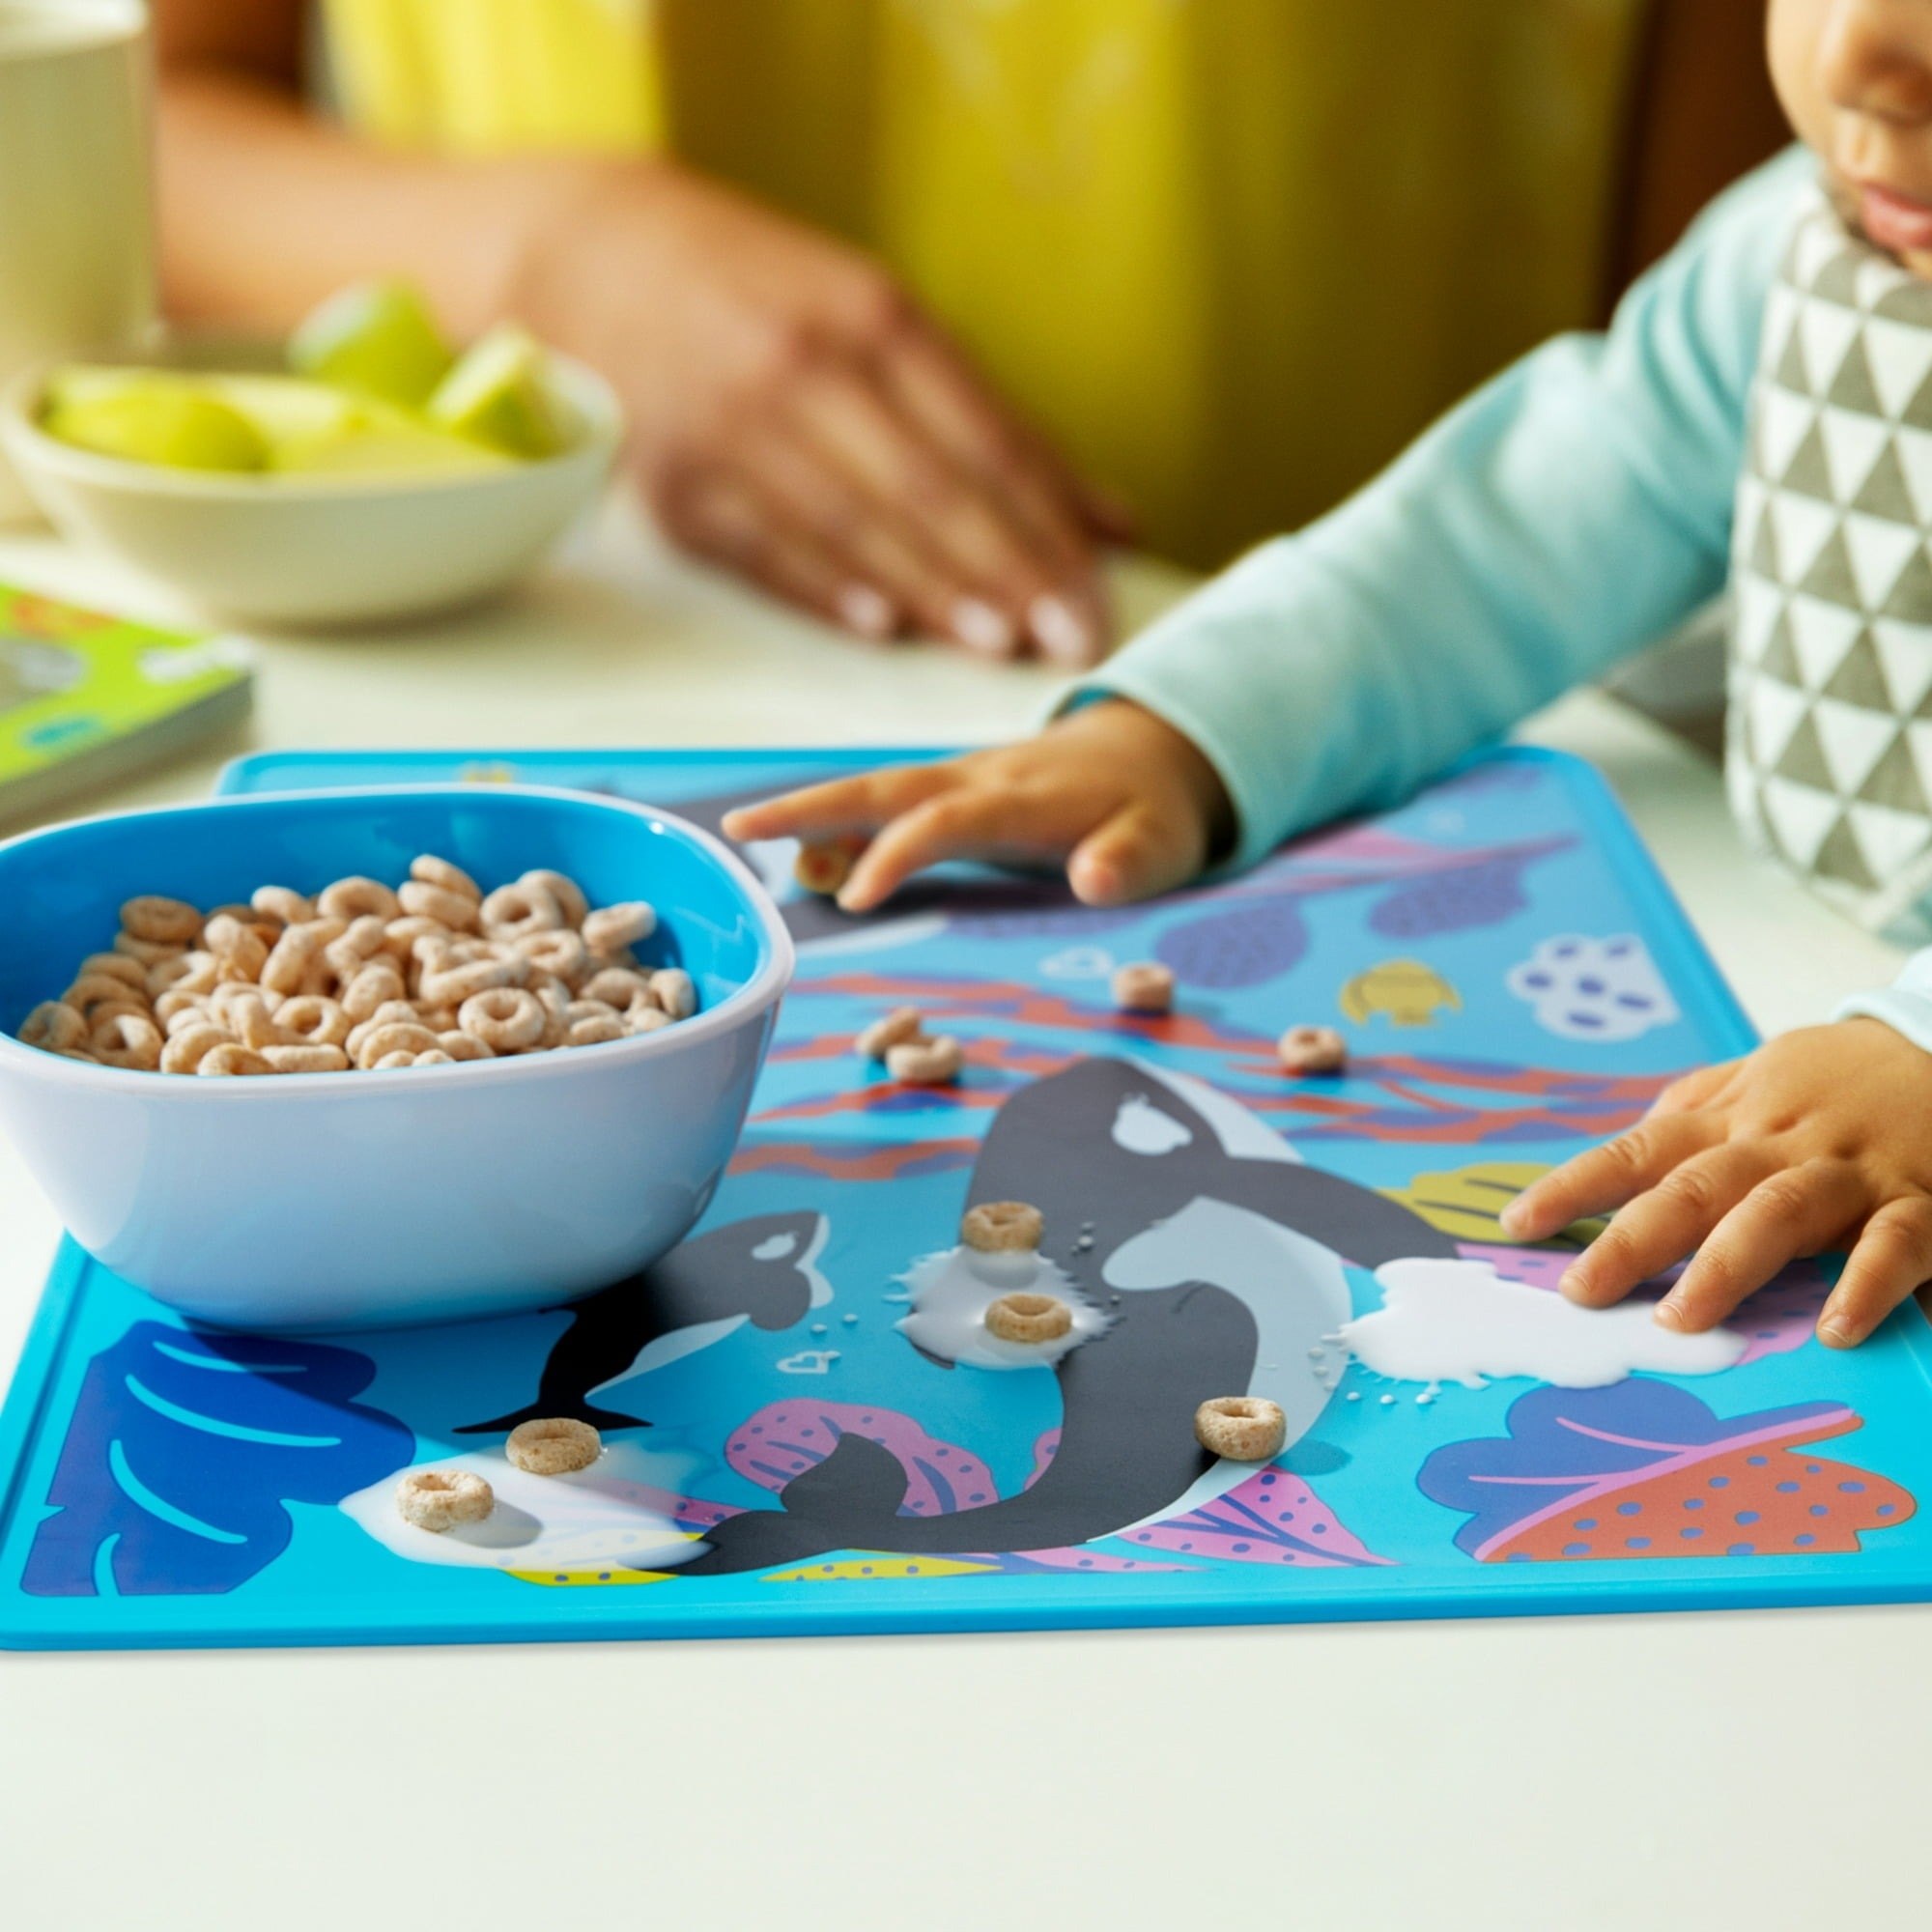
<point>867,611</point>
<point>1062,633</point>
<point>1669,1314</point>
<point>982,628</point>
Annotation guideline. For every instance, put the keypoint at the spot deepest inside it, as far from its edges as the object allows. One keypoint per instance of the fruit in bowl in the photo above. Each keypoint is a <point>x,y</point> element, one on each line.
<point>373,388</point>
<point>364,471</point>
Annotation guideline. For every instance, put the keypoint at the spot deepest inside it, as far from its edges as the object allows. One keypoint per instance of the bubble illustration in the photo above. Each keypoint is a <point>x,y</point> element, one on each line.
<point>1583,988</point>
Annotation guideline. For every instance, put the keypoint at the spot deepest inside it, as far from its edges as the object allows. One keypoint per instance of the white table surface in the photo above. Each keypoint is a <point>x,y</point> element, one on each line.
<point>1767,1770</point>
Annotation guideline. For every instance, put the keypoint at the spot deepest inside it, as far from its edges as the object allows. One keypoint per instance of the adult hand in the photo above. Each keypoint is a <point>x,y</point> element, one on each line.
<point>797,418</point>
<point>1815,1141</point>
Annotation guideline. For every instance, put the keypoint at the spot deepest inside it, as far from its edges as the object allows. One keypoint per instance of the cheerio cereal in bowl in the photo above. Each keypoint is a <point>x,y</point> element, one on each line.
<point>365,976</point>
<point>361,1056</point>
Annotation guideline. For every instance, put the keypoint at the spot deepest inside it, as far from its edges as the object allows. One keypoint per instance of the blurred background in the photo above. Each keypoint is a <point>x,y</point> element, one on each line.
<point>1232,254</point>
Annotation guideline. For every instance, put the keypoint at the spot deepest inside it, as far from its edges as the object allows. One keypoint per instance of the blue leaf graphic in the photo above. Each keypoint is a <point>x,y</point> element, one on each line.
<point>1244,945</point>
<point>182,1450</point>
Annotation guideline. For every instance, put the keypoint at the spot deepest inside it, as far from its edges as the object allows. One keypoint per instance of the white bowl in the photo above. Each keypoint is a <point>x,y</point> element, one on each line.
<point>302,550</point>
<point>421,1194</point>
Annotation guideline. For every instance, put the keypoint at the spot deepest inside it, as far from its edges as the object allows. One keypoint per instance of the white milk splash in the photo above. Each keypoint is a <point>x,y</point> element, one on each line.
<point>953,1289</point>
<point>592,1519</point>
<point>1460,1321</point>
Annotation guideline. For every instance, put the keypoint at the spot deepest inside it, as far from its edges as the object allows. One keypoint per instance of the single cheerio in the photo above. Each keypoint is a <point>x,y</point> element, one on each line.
<point>375,337</point>
<point>499,395</point>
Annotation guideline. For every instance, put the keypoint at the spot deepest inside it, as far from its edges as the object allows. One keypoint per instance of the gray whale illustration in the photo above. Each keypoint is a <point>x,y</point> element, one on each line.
<point>1109,1151</point>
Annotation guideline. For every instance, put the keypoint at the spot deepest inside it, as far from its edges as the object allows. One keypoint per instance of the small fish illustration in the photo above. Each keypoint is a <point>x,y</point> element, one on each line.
<point>1408,991</point>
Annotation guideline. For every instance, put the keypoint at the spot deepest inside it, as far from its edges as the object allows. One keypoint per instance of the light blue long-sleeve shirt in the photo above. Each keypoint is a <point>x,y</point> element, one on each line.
<point>1567,514</point>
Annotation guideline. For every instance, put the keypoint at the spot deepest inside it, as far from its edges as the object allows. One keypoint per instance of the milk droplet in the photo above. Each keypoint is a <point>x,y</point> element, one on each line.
<point>1388,1402</point>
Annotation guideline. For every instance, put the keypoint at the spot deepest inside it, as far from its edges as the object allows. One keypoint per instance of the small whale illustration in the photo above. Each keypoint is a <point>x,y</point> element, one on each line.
<point>758,1270</point>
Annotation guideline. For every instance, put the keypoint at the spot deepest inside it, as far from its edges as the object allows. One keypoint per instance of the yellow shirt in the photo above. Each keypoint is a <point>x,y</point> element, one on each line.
<point>1232,254</point>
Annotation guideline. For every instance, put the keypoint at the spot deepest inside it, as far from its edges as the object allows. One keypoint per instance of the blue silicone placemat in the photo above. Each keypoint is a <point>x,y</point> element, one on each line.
<point>783,1459</point>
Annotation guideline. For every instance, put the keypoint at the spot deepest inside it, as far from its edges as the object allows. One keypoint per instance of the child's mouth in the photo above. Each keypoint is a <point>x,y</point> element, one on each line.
<point>1895,221</point>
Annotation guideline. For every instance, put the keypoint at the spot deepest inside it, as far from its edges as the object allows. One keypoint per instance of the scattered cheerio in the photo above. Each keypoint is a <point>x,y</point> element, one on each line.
<point>1242,1428</point>
<point>926,1063</point>
<point>1144,986</point>
<point>1001,1227</point>
<point>1312,1049</point>
<point>823,866</point>
<point>1028,1318</point>
<point>901,1024</point>
<point>553,1446</point>
<point>439,1499</point>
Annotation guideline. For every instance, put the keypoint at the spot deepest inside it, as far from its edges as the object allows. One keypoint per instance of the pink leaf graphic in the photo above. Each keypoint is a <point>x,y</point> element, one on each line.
<point>1274,1517</point>
<point>786,1438</point>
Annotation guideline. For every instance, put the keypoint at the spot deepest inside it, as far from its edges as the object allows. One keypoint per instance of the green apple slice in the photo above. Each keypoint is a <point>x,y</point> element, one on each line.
<point>154,417</point>
<point>388,443</point>
<point>499,395</point>
<point>377,338</point>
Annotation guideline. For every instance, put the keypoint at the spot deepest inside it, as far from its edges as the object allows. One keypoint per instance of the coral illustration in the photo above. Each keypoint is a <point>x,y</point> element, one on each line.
<point>1643,1469</point>
<point>1274,1517</point>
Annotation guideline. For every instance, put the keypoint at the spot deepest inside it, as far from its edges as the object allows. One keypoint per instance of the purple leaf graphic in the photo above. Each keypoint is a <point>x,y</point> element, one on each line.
<point>1244,945</point>
<point>1452,901</point>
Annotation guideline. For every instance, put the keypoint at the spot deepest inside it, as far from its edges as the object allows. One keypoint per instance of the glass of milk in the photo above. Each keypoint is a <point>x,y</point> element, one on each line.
<point>77,197</point>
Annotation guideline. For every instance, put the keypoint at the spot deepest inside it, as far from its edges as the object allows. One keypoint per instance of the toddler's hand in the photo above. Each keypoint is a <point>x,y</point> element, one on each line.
<point>1820,1139</point>
<point>1122,797</point>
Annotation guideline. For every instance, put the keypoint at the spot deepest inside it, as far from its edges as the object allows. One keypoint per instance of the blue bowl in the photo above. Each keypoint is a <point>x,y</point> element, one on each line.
<point>344,1200</point>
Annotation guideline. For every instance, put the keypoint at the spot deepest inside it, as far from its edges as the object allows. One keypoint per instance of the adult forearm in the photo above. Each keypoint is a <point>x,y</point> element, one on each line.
<point>264,208</point>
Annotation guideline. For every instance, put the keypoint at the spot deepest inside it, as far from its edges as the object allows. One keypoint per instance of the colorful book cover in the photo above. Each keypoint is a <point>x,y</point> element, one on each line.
<point>86,697</point>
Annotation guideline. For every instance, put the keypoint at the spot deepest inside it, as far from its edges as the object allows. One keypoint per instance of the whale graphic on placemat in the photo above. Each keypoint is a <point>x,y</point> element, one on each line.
<point>1206,1246</point>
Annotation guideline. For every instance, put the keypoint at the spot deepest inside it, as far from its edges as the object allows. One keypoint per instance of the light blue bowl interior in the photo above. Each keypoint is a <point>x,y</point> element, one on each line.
<point>65,885</point>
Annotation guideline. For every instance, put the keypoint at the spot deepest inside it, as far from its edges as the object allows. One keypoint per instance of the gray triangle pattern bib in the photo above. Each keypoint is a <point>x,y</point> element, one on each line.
<point>1829,759</point>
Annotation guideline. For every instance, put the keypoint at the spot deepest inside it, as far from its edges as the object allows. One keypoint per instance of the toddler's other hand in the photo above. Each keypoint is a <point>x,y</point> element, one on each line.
<point>1820,1139</point>
<point>1121,796</point>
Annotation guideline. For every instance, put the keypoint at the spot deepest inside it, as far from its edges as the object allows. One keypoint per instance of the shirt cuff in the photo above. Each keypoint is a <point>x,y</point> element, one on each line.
<point>1905,1005</point>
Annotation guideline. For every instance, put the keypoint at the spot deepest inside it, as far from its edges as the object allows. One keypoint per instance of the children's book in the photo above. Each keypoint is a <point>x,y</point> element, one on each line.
<point>87,698</point>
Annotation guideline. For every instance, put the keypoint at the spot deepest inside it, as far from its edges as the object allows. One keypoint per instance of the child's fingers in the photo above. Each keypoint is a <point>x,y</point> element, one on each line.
<point>1893,1256</point>
<point>841,806</point>
<point>1138,852</point>
<point>1793,1212</point>
<point>1664,1224</point>
<point>1693,1090</point>
<point>1606,1177</point>
<point>965,822</point>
